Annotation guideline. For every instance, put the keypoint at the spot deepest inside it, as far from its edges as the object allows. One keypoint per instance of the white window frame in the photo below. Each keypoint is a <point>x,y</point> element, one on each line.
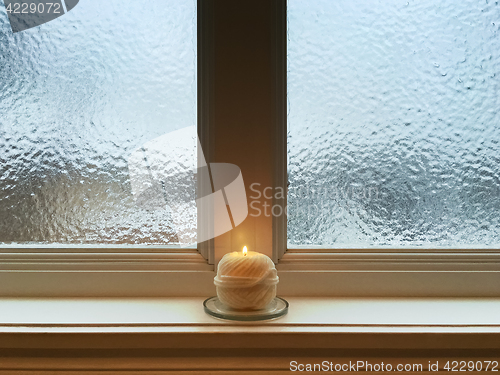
<point>384,272</point>
<point>160,271</point>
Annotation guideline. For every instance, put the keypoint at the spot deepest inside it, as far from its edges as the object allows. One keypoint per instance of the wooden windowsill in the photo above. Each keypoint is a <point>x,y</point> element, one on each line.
<point>355,323</point>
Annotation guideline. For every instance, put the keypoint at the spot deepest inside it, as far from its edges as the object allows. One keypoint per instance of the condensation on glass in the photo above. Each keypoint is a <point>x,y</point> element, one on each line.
<point>77,96</point>
<point>394,123</point>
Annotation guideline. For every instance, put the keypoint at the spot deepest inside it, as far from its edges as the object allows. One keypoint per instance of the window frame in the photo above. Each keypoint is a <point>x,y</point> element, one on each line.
<point>161,271</point>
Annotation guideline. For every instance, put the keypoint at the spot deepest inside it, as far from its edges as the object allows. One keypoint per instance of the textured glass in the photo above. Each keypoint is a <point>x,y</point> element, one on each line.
<point>394,123</point>
<point>77,96</point>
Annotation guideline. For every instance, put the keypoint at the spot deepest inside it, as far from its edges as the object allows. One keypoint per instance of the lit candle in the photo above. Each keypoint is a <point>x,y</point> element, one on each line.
<point>246,280</point>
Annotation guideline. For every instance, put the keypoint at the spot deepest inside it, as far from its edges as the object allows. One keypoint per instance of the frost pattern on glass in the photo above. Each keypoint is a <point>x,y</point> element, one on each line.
<point>77,96</point>
<point>394,123</point>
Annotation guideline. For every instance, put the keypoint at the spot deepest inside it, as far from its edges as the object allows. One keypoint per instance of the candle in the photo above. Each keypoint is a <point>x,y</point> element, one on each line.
<point>246,280</point>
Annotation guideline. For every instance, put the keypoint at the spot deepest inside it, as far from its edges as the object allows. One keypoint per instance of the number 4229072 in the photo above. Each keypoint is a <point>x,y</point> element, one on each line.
<point>32,8</point>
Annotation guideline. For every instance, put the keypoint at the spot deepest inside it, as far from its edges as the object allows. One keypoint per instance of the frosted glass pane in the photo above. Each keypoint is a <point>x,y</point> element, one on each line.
<point>77,96</point>
<point>394,123</point>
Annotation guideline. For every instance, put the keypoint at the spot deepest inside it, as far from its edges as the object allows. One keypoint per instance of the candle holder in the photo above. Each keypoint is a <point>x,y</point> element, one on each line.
<point>274,310</point>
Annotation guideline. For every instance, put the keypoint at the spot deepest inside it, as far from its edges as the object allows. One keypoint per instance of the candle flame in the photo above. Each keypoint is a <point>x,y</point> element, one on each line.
<point>245,250</point>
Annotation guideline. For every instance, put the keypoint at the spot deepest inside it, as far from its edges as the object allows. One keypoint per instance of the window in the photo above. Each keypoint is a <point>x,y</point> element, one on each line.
<point>97,141</point>
<point>242,120</point>
<point>392,143</point>
<point>393,124</point>
<point>81,96</point>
